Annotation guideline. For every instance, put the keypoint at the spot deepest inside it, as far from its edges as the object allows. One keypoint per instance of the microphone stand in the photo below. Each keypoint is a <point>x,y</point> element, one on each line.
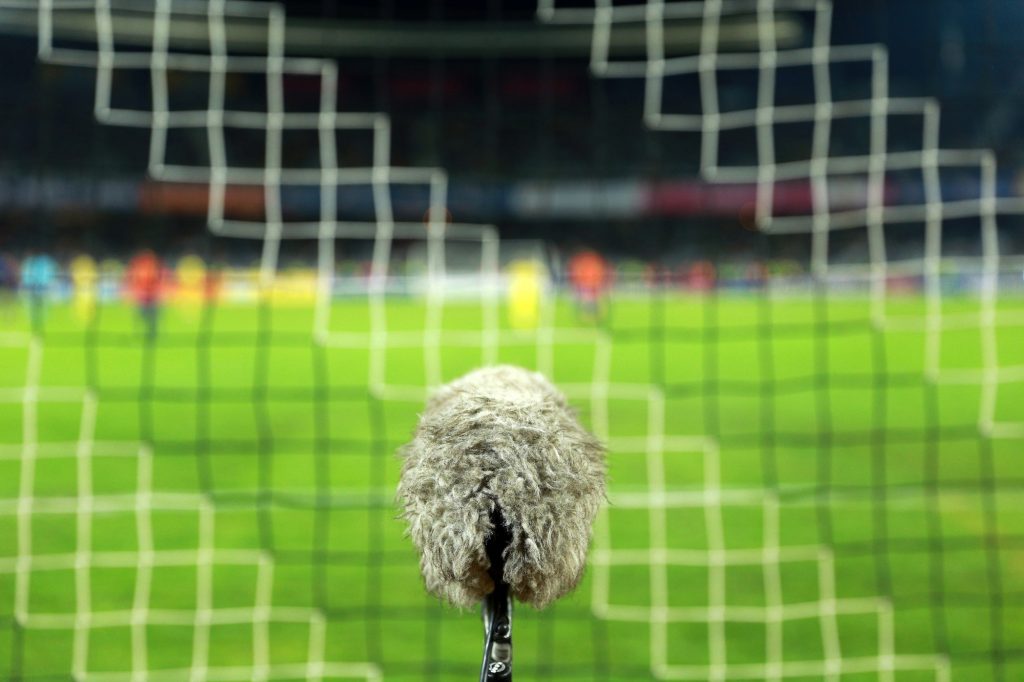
<point>497,610</point>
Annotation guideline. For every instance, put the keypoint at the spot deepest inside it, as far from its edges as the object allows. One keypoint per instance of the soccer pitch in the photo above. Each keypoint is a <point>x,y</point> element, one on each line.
<point>794,493</point>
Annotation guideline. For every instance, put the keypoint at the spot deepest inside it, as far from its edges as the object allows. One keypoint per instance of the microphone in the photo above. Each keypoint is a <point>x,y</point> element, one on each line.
<point>499,487</point>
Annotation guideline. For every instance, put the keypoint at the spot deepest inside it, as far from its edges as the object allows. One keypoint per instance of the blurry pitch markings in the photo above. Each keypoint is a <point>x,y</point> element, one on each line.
<point>821,170</point>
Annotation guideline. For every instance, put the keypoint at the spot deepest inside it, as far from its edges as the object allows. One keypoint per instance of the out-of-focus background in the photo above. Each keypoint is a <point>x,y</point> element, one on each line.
<point>772,250</point>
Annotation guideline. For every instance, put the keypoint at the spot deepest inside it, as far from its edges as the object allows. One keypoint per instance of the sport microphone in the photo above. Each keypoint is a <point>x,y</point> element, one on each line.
<point>499,487</point>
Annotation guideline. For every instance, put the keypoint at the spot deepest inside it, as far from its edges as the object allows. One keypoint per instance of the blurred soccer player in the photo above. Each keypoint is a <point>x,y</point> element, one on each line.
<point>590,276</point>
<point>701,276</point>
<point>8,287</point>
<point>85,278</point>
<point>8,272</point>
<point>191,277</point>
<point>38,275</point>
<point>525,289</point>
<point>142,282</point>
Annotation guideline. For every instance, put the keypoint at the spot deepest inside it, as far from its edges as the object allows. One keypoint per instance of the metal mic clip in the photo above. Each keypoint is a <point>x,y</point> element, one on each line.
<point>498,628</point>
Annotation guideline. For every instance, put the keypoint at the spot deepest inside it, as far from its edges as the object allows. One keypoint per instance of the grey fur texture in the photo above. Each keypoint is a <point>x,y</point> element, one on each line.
<point>501,436</point>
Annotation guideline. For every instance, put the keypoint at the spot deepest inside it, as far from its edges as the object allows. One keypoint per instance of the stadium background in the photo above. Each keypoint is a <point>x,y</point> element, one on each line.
<point>797,490</point>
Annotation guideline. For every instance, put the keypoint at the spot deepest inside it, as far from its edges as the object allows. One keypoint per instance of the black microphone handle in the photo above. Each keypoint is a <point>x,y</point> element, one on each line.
<point>497,609</point>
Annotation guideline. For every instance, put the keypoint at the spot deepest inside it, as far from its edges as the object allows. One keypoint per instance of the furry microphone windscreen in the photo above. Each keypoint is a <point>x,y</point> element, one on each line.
<point>501,439</point>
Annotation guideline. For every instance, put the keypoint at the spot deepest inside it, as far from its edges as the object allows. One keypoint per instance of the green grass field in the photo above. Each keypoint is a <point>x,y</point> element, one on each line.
<point>792,494</point>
